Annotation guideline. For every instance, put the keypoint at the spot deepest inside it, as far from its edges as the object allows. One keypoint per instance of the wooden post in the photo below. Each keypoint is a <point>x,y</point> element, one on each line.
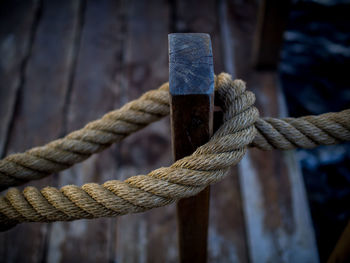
<point>272,21</point>
<point>191,81</point>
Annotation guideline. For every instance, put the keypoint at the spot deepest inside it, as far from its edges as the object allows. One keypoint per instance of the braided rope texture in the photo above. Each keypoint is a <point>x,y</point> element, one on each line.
<point>304,132</point>
<point>284,134</point>
<point>186,177</point>
<point>77,146</point>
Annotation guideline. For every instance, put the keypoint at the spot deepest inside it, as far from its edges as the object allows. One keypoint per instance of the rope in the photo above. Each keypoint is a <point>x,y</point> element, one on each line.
<point>284,134</point>
<point>303,132</point>
<point>77,146</point>
<point>186,177</point>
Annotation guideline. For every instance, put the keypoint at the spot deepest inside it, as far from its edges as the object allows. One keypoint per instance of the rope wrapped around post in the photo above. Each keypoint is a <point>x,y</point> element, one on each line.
<point>208,164</point>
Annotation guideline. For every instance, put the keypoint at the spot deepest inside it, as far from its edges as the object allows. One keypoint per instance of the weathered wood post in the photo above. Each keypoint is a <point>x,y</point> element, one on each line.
<point>191,81</point>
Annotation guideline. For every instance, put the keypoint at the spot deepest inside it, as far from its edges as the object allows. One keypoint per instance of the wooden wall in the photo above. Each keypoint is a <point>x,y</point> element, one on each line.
<point>64,63</point>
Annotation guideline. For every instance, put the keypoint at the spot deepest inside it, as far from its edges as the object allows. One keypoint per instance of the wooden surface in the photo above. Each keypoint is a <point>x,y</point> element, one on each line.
<point>190,64</point>
<point>278,221</point>
<point>94,90</point>
<point>40,102</point>
<point>191,85</point>
<point>268,40</point>
<point>64,63</point>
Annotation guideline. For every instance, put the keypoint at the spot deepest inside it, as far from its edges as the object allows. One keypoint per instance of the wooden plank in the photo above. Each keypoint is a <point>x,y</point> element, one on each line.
<point>191,83</point>
<point>145,66</point>
<point>277,212</point>
<point>40,109</point>
<point>277,216</point>
<point>17,20</point>
<point>94,92</point>
<point>272,21</point>
<point>16,32</point>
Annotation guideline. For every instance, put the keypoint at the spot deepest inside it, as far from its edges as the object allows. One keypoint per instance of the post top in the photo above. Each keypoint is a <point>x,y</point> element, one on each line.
<point>191,69</point>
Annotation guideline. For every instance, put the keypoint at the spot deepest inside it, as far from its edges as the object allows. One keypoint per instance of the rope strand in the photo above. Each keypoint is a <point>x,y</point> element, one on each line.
<point>284,134</point>
<point>303,132</point>
<point>188,176</point>
<point>77,146</point>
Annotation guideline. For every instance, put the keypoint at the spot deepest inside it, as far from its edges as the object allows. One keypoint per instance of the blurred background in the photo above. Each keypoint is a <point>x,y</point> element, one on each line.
<point>65,63</point>
<point>313,72</point>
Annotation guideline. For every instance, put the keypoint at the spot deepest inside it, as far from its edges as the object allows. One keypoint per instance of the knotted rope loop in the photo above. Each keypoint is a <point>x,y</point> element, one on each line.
<point>186,177</point>
<point>208,164</point>
<point>288,133</point>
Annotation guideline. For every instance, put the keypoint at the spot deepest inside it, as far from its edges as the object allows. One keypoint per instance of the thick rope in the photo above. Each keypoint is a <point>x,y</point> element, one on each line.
<point>288,133</point>
<point>184,178</point>
<point>77,146</point>
<point>303,132</point>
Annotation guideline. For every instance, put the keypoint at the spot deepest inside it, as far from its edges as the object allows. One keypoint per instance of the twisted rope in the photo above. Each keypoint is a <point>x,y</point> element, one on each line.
<point>288,133</point>
<point>304,132</point>
<point>77,146</point>
<point>186,177</point>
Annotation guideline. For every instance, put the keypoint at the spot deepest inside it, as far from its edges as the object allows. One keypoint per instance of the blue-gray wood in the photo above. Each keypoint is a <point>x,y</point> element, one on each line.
<point>191,84</point>
<point>190,64</point>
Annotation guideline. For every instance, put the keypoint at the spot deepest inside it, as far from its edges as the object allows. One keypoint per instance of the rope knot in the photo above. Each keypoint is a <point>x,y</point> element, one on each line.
<point>186,177</point>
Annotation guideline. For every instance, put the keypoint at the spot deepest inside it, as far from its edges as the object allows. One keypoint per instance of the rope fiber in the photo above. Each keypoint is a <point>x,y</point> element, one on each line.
<point>242,127</point>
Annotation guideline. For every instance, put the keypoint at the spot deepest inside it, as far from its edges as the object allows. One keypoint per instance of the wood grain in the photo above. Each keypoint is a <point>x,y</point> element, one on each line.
<point>226,237</point>
<point>149,236</point>
<point>191,85</point>
<point>277,216</point>
<point>39,115</point>
<point>16,33</point>
<point>17,23</point>
<point>190,64</point>
<point>121,52</point>
<point>93,92</point>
